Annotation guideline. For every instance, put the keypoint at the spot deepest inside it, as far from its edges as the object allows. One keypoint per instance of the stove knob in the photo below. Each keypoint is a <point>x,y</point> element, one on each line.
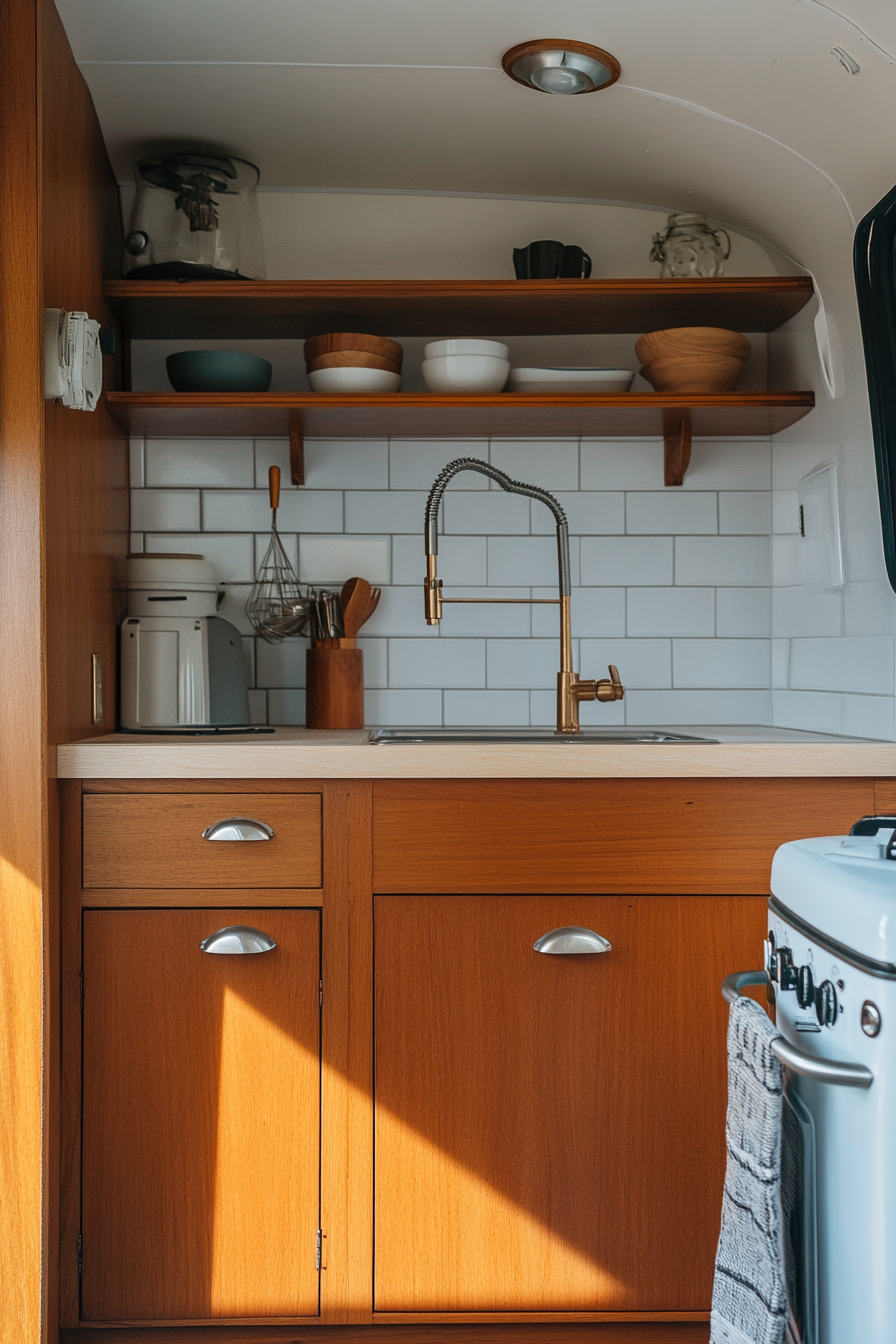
<point>870,1018</point>
<point>826,1003</point>
<point>805,987</point>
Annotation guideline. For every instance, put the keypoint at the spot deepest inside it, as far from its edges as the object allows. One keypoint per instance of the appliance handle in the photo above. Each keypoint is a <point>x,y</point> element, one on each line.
<point>810,1066</point>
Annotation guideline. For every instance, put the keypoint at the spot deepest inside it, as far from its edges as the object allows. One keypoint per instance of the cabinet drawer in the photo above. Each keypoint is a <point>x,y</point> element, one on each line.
<point>156,840</point>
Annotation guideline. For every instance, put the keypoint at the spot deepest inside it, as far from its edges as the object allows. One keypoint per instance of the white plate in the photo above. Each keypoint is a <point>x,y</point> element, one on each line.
<point>354,380</point>
<point>570,381</point>
<point>435,349</point>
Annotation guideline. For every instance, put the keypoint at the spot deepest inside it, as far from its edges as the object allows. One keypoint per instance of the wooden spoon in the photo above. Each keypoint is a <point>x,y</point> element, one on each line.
<point>355,603</point>
<point>375,595</point>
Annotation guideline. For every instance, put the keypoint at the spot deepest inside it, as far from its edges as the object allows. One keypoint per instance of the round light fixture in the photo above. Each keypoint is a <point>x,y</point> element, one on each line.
<point>554,66</point>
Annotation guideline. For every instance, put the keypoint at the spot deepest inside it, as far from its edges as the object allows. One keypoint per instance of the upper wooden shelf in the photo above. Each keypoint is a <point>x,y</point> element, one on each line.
<point>281,309</point>
<point>426,415</point>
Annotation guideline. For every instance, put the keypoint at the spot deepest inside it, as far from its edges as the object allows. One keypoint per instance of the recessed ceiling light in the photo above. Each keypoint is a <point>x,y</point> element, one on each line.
<point>554,66</point>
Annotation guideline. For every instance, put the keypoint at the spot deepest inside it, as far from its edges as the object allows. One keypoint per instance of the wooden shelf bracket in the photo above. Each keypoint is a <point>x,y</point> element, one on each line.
<point>296,450</point>
<point>676,449</point>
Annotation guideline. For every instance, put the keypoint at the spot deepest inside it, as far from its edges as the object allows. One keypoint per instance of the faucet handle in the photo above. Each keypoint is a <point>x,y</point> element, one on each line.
<point>612,688</point>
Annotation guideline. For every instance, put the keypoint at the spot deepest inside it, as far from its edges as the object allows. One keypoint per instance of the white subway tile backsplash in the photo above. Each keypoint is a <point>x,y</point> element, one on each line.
<point>868,607</point>
<point>785,512</point>
<point>780,662</point>
<point>552,464</point>
<point>721,561</point>
<point>281,665</point>
<point>414,464</point>
<point>461,559</point>
<point>588,513</point>
<point>165,510</point>
<point>720,662</point>
<point>833,712</point>
<point>286,708</point>
<point>136,461</point>
<point>250,511</point>
<point>725,464</point>
<point>786,560</point>
<point>177,462</point>
<point>670,512</point>
<point>864,665</point>
<point>526,560</point>
<point>627,464</point>
<point>744,612</point>
<point>273,453</point>
<point>376,661</point>
<point>746,512</point>
<point>325,560</point>
<point>231,555</point>
<point>482,513</point>
<point>436,662</point>
<point>384,510</point>
<point>637,561</point>
<point>595,611</point>
<point>523,663</point>
<point>670,611</point>
<point>347,464</point>
<point>484,708</point>
<point>420,708</point>
<point>696,707</point>
<point>543,712</point>
<point>641,662</point>
<point>796,612</point>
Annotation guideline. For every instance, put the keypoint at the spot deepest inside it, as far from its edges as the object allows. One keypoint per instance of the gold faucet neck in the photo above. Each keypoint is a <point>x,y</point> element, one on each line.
<point>432,592</point>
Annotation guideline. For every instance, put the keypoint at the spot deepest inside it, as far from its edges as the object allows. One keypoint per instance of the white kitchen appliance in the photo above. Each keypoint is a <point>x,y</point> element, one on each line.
<point>182,667</point>
<point>831,963</point>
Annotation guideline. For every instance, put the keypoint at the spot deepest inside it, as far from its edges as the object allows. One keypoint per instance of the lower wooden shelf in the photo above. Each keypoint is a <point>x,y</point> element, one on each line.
<point>414,415</point>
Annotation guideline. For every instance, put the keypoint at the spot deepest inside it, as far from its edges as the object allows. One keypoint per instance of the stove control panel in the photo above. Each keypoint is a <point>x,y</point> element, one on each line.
<point>800,980</point>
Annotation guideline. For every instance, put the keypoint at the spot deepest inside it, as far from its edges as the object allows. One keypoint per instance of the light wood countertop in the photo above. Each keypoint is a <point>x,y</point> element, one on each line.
<point>298,753</point>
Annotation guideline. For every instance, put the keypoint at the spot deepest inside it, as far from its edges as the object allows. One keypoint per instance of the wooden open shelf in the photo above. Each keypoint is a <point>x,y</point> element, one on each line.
<point>424,415</point>
<point>289,309</point>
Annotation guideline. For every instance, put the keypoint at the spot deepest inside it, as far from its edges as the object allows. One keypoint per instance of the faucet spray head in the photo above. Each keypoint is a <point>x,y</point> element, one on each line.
<point>432,592</point>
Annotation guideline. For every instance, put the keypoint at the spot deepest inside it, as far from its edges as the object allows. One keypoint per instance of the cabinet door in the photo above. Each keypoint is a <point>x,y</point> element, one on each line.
<point>550,1129</point>
<point>201,1117</point>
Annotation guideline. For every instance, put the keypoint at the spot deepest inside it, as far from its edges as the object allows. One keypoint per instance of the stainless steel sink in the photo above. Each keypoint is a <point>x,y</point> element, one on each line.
<point>586,737</point>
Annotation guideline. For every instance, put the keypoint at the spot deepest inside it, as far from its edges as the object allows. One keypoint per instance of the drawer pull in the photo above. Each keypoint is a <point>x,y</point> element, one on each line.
<point>571,940</point>
<point>239,828</point>
<point>236,940</point>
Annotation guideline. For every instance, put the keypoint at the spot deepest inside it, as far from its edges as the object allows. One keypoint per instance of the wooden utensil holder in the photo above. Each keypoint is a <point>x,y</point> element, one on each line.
<point>334,691</point>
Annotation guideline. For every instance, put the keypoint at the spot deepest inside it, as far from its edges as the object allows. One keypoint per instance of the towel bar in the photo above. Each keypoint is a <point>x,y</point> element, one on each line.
<point>810,1066</point>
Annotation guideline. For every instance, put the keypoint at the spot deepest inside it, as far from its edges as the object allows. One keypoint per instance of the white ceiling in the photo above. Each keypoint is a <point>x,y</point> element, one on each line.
<point>736,107</point>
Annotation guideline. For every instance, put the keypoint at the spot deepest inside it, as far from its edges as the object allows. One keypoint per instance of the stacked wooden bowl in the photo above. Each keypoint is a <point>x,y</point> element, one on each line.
<point>352,350</point>
<point>692,359</point>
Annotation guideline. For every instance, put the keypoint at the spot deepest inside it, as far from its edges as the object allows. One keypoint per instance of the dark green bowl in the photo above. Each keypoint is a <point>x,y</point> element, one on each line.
<point>217,371</point>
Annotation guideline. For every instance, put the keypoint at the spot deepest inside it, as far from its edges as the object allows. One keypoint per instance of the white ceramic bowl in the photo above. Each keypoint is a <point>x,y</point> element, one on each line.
<point>569,382</point>
<point>435,349</point>
<point>465,373</point>
<point>354,379</point>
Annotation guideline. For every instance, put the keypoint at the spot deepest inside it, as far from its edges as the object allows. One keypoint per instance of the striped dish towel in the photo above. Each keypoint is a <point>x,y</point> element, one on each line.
<point>749,1296</point>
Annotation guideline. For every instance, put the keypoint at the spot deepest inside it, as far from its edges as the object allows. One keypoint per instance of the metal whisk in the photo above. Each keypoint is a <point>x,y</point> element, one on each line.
<point>278,606</point>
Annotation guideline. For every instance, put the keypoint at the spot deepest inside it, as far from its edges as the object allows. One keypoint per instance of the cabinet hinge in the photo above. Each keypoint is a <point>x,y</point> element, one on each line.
<point>80,1257</point>
<point>319,1244</point>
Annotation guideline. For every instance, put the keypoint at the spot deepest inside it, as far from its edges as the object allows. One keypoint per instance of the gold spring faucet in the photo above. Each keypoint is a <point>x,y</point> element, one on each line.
<point>571,690</point>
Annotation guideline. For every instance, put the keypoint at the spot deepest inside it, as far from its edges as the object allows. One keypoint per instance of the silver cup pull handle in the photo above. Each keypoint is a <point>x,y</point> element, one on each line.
<point>236,941</point>
<point>239,828</point>
<point>572,941</point>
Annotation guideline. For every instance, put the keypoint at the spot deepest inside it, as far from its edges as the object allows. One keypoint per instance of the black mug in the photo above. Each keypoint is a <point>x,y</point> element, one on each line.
<point>550,260</point>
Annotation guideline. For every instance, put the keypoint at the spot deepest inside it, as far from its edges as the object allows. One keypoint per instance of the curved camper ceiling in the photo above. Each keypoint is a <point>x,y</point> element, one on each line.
<point>737,109</point>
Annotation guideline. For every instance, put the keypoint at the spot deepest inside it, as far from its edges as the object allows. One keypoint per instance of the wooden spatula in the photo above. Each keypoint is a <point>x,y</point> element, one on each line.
<point>355,603</point>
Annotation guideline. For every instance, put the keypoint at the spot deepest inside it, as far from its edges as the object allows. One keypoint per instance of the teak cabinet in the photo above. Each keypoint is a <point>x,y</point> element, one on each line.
<point>403,1115</point>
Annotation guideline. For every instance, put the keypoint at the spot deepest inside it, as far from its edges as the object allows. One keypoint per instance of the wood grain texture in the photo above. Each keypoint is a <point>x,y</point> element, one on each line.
<point>69,937</point>
<point>86,456</point>
<point>648,836</point>
<point>136,898</point>
<point>156,841</point>
<point>550,1130</point>
<point>420,415</point>
<point>347,1079</point>
<point>566,1333</point>
<point>201,1118</point>
<point>289,309</point>
<point>334,688</point>
<point>25,881</point>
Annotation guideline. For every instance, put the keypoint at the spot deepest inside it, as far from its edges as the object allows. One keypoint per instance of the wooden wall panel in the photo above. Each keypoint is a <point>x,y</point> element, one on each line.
<point>87,514</point>
<point>650,835</point>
